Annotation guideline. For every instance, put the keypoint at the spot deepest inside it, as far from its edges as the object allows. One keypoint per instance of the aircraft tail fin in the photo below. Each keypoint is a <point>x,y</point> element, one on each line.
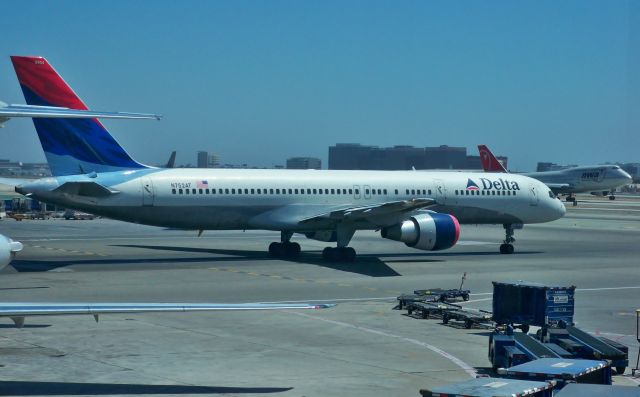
<point>489,162</point>
<point>72,146</point>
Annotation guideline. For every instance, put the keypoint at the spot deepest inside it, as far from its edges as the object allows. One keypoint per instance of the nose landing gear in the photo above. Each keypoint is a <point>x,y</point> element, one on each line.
<point>506,247</point>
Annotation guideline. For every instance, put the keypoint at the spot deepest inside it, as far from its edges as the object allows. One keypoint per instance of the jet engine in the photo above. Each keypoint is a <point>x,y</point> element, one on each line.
<point>8,249</point>
<point>429,232</point>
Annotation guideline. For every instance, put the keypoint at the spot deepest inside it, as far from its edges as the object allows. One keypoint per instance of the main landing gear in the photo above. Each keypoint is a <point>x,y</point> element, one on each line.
<point>572,199</point>
<point>285,248</point>
<point>344,233</point>
<point>506,247</point>
<point>334,254</point>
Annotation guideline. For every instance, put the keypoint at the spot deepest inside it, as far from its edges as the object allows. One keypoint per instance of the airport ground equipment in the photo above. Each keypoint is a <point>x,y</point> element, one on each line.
<point>637,368</point>
<point>523,304</point>
<point>584,345</point>
<point>492,387</point>
<point>562,370</point>
<point>587,390</point>
<point>470,317</point>
<point>507,349</point>
<point>431,309</point>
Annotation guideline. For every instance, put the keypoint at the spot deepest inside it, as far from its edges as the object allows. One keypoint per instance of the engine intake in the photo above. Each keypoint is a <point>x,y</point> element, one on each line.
<point>429,232</point>
<point>8,249</point>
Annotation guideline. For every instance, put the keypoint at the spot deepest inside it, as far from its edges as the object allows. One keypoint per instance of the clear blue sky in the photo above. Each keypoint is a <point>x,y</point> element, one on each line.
<point>257,82</point>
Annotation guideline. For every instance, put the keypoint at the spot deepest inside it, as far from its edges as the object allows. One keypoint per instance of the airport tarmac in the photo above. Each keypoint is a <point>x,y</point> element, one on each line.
<point>359,348</point>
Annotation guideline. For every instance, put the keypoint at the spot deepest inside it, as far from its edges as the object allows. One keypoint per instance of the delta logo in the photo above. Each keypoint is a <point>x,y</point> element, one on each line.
<point>500,184</point>
<point>471,185</point>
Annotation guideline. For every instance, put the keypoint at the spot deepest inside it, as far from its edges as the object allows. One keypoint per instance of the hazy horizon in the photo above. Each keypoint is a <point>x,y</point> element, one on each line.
<point>258,82</point>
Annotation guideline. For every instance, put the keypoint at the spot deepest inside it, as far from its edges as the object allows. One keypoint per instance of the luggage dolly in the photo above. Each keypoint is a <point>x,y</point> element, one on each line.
<point>446,295</point>
<point>431,309</point>
<point>469,317</point>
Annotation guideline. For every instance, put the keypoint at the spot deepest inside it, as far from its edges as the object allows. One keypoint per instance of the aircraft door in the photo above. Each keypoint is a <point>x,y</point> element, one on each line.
<point>440,192</point>
<point>148,192</point>
<point>356,192</point>
<point>533,195</point>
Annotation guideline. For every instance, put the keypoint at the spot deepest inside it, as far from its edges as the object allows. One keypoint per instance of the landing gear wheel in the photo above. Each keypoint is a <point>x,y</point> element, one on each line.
<point>506,248</point>
<point>524,328</point>
<point>346,254</point>
<point>620,370</point>
<point>445,318</point>
<point>284,250</point>
<point>612,197</point>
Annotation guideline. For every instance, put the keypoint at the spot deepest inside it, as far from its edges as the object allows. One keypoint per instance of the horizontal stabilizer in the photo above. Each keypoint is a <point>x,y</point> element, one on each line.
<point>10,111</point>
<point>85,188</point>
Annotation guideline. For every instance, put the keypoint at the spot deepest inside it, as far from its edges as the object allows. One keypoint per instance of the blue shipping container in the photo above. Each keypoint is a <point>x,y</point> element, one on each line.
<point>532,304</point>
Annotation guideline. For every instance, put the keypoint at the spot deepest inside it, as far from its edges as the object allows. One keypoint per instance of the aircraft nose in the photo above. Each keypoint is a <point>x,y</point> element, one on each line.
<point>562,210</point>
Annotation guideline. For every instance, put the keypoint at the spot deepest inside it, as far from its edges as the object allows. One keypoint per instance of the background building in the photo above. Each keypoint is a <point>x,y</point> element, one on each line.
<point>207,160</point>
<point>354,156</point>
<point>304,163</point>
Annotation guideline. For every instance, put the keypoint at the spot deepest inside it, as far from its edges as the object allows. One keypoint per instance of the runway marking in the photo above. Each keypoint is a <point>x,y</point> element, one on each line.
<point>466,367</point>
<point>66,250</point>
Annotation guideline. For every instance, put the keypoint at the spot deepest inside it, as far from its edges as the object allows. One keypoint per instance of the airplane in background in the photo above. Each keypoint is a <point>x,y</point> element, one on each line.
<point>421,209</point>
<point>597,179</point>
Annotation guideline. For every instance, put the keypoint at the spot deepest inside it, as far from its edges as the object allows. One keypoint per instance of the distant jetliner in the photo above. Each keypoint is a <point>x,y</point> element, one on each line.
<point>93,173</point>
<point>597,179</point>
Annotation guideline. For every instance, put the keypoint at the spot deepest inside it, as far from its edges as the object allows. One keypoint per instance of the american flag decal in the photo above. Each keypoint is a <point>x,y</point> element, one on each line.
<point>202,184</point>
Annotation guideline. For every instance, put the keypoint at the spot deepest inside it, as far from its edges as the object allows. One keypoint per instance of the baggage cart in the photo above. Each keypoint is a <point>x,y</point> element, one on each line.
<point>562,370</point>
<point>523,304</point>
<point>492,387</point>
<point>586,390</point>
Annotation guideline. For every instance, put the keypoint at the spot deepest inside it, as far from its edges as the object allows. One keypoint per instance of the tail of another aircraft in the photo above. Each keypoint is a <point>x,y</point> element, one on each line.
<point>72,146</point>
<point>489,162</point>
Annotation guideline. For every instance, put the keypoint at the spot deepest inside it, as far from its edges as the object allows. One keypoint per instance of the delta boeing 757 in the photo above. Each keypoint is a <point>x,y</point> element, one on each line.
<point>93,173</point>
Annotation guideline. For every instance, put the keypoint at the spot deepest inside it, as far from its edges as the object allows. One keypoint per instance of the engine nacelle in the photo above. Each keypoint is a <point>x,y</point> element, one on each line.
<point>429,232</point>
<point>8,249</point>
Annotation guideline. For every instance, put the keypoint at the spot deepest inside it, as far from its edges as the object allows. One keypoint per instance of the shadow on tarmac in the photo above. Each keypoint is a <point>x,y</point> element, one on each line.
<point>368,265</point>
<point>24,388</point>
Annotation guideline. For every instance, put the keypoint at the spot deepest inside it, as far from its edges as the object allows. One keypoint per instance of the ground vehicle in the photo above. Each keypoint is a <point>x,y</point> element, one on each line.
<point>77,215</point>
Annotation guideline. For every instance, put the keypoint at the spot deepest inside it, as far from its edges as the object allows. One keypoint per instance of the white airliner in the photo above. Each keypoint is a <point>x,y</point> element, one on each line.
<point>93,173</point>
<point>596,179</point>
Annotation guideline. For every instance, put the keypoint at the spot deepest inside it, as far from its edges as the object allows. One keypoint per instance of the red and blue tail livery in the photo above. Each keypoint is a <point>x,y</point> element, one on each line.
<point>72,146</point>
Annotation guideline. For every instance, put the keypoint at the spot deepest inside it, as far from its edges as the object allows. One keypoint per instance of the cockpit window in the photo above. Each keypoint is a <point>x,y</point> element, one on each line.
<point>551,195</point>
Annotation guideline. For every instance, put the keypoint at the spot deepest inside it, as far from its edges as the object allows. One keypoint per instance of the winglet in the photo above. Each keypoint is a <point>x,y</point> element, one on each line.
<point>489,162</point>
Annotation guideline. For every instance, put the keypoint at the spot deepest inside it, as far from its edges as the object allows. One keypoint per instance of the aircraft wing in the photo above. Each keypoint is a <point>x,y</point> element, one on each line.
<point>10,111</point>
<point>17,311</point>
<point>559,187</point>
<point>370,211</point>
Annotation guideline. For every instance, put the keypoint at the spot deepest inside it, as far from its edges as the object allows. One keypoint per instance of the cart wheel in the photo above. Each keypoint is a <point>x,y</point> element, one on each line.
<point>425,314</point>
<point>445,318</point>
<point>524,328</point>
<point>409,311</point>
<point>465,297</point>
<point>468,324</point>
<point>620,370</point>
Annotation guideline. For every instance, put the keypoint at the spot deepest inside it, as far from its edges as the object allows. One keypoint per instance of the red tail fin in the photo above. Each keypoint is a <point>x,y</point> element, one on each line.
<point>489,162</point>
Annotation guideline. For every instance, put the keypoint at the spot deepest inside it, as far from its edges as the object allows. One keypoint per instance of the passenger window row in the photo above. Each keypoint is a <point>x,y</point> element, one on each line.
<point>309,191</point>
<point>485,193</point>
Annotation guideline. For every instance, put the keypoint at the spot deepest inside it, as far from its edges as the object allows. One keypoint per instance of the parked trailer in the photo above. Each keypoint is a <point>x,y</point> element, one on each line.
<point>405,300</point>
<point>492,387</point>
<point>586,390</point>
<point>562,370</point>
<point>470,317</point>
<point>584,345</point>
<point>445,295</point>
<point>431,309</point>
<point>523,304</point>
